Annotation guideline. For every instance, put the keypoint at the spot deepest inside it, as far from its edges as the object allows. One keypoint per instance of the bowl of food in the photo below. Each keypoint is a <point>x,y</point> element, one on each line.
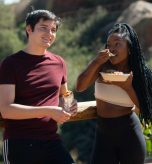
<point>114,76</point>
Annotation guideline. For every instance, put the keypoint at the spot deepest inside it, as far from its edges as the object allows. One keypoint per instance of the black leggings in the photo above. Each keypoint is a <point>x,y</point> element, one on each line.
<point>119,141</point>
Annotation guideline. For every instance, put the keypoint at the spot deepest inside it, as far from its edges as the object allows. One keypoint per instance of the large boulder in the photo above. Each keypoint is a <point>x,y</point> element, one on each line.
<point>139,15</point>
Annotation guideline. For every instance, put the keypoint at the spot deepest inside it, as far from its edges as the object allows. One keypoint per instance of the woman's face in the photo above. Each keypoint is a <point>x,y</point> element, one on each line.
<point>118,46</point>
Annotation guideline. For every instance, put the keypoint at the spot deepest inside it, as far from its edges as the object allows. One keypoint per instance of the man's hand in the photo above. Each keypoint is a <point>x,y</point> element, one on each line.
<point>72,109</point>
<point>60,115</point>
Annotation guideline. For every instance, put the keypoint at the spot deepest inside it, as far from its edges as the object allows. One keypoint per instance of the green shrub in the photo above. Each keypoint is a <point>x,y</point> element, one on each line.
<point>6,17</point>
<point>10,43</point>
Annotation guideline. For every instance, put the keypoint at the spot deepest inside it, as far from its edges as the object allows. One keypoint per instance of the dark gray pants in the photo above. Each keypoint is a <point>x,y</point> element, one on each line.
<point>35,152</point>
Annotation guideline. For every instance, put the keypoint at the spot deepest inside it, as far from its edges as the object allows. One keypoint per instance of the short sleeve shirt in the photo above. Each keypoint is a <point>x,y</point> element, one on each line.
<point>37,81</point>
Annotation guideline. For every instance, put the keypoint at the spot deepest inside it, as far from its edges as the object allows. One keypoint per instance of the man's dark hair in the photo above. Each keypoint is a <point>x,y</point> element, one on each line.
<point>35,16</point>
<point>142,75</point>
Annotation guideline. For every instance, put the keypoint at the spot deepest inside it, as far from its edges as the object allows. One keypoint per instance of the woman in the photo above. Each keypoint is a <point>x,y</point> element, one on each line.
<point>119,139</point>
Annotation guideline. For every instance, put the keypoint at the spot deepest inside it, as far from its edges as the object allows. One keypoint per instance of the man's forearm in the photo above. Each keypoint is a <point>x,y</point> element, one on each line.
<point>17,111</point>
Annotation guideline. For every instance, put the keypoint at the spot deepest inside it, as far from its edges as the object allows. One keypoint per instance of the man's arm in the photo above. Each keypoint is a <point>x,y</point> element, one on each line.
<point>10,110</point>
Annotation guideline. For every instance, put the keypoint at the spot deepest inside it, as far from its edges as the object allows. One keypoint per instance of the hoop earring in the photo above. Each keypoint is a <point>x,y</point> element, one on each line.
<point>129,53</point>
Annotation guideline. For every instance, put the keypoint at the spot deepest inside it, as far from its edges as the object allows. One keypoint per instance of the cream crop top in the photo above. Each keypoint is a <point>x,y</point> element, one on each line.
<point>112,94</point>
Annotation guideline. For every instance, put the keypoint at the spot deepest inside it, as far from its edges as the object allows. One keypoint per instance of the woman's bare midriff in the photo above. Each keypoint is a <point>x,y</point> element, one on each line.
<point>108,110</point>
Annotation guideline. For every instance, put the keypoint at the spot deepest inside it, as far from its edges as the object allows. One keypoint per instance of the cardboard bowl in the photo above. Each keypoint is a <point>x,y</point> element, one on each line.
<point>114,77</point>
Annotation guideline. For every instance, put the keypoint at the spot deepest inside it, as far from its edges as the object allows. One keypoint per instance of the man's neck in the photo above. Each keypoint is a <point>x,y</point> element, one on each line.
<point>35,50</point>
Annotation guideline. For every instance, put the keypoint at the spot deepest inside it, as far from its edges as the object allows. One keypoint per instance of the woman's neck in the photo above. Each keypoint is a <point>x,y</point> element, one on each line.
<point>122,67</point>
<point>119,67</point>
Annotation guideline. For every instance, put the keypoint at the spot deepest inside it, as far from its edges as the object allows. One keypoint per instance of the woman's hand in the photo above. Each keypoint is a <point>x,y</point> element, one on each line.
<point>102,57</point>
<point>91,72</point>
<point>127,86</point>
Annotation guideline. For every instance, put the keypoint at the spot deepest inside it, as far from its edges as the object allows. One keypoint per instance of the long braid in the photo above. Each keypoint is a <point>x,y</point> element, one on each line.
<point>142,75</point>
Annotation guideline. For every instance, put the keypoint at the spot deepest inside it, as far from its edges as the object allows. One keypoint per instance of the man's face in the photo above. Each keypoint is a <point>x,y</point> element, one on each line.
<point>43,34</point>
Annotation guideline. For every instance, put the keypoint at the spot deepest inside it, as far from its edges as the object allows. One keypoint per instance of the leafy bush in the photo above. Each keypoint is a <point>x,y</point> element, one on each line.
<point>147,131</point>
<point>149,62</point>
<point>10,43</point>
<point>6,17</point>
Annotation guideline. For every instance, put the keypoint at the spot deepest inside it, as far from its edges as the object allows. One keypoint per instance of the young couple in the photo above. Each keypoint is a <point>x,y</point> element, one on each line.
<point>33,79</point>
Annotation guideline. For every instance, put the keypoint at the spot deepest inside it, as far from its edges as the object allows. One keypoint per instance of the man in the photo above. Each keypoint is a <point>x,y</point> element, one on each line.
<point>31,82</point>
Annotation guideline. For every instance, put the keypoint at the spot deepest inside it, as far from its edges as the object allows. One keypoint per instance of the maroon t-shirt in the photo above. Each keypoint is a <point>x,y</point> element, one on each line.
<point>37,82</point>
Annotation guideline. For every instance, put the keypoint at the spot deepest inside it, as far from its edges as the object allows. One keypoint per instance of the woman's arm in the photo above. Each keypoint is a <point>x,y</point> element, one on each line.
<point>90,74</point>
<point>127,86</point>
<point>132,94</point>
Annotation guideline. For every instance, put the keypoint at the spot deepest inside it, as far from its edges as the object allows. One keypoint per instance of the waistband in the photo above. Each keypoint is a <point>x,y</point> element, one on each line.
<point>118,120</point>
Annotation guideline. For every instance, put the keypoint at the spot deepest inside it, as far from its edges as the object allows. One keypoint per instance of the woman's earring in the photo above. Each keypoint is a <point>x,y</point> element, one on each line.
<point>129,53</point>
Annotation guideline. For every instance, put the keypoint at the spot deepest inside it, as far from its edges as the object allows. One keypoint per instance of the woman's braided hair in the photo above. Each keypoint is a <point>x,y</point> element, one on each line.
<point>142,75</point>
